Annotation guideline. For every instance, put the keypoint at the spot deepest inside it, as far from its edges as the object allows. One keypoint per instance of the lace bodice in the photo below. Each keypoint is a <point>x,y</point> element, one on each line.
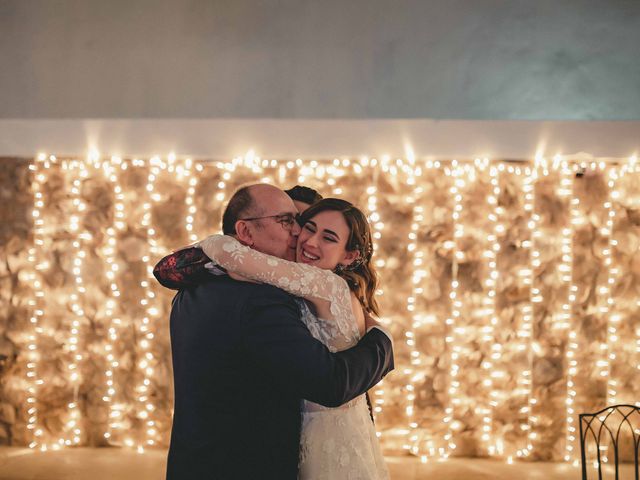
<point>338,331</point>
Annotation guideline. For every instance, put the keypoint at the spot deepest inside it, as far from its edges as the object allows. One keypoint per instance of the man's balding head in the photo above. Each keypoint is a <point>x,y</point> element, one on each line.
<point>240,205</point>
<point>250,216</point>
<point>249,201</point>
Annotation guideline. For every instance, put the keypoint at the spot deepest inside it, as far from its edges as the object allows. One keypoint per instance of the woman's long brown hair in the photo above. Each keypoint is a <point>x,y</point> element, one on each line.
<point>361,276</point>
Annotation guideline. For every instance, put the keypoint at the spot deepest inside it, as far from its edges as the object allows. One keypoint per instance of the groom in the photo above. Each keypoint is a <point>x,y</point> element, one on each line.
<point>243,360</point>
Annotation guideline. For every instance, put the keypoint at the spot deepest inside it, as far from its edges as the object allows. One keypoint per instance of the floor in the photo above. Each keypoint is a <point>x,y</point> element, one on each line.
<point>109,464</point>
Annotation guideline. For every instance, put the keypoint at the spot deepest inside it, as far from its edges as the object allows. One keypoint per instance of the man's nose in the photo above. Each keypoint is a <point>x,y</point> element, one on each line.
<point>295,229</point>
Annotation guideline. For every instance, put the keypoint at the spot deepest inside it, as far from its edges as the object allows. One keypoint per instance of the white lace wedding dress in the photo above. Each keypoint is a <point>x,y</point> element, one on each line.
<point>335,443</point>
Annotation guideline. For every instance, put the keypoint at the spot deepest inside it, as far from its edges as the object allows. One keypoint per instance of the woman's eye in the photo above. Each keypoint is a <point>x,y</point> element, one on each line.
<point>309,227</point>
<point>330,239</point>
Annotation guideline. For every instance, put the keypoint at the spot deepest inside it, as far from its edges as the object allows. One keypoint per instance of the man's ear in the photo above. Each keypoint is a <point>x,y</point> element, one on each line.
<point>350,257</point>
<point>244,233</point>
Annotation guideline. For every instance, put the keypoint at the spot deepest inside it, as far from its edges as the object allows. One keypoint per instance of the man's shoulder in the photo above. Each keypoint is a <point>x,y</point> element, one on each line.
<point>227,287</point>
<point>260,293</point>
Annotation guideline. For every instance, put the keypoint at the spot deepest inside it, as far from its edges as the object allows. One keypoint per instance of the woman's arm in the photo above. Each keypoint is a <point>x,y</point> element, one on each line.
<point>277,342</point>
<point>182,269</point>
<point>329,293</point>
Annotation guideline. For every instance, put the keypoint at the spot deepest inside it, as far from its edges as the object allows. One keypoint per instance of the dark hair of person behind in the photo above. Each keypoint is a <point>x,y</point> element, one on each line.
<point>240,204</point>
<point>303,194</point>
<point>361,276</point>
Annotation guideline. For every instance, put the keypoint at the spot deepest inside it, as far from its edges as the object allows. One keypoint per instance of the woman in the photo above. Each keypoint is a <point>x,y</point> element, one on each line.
<point>335,275</point>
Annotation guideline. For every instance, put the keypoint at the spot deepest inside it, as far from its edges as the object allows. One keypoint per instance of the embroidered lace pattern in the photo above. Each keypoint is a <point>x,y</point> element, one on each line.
<point>338,332</point>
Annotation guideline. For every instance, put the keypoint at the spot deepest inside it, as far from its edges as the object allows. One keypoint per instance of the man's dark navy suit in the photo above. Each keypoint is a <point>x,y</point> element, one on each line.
<point>242,362</point>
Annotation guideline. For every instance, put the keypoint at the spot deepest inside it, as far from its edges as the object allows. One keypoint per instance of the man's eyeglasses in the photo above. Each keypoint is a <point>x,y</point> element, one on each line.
<point>286,220</point>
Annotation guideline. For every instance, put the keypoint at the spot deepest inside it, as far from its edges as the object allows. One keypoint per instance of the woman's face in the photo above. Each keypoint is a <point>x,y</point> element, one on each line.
<point>322,241</point>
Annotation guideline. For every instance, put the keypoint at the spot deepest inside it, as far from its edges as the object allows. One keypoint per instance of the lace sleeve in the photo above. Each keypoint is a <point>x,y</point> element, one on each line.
<point>312,283</point>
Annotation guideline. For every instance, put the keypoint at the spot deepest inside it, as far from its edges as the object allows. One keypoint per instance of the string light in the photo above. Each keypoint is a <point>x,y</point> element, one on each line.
<point>462,175</point>
<point>561,322</point>
<point>565,267</point>
<point>190,199</point>
<point>572,347</point>
<point>423,317</point>
<point>39,169</point>
<point>455,350</point>
<point>489,309</point>
<point>525,333</point>
<point>76,300</point>
<point>632,166</point>
<point>119,421</point>
<point>146,359</point>
<point>110,169</point>
<point>605,291</point>
<point>226,169</point>
<point>414,355</point>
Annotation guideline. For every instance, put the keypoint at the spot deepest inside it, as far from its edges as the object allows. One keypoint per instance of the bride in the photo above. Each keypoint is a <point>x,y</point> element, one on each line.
<point>335,276</point>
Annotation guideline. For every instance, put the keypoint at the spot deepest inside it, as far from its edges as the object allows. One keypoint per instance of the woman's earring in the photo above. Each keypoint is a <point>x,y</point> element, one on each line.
<point>339,269</point>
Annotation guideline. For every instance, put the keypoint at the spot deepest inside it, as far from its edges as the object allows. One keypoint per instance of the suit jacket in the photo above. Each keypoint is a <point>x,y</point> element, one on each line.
<point>242,362</point>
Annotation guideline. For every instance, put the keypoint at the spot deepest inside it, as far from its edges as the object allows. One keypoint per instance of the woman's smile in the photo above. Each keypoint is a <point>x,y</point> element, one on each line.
<point>307,256</point>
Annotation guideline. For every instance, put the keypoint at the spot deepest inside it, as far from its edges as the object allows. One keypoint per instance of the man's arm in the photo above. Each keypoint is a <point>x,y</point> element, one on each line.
<point>279,343</point>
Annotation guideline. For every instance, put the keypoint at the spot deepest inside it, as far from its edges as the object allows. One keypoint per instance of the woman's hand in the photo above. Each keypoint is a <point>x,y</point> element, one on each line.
<point>369,322</point>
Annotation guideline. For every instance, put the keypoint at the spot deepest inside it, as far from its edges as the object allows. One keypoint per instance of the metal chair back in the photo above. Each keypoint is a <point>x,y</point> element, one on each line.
<point>612,420</point>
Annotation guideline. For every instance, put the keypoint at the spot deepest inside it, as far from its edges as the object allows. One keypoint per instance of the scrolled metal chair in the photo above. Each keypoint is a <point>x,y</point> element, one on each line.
<point>588,424</point>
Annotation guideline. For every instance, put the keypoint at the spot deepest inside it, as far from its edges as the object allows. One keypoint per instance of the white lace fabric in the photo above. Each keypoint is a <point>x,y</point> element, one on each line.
<point>312,283</point>
<point>336,443</point>
<point>340,444</point>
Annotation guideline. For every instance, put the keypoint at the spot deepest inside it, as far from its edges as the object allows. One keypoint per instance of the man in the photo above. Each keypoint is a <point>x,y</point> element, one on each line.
<point>243,359</point>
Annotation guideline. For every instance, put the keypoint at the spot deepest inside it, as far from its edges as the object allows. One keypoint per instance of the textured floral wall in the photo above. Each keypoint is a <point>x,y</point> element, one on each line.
<point>511,289</point>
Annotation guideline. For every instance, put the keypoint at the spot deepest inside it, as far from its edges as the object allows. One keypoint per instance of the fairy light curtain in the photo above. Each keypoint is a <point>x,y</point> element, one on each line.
<point>511,289</point>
